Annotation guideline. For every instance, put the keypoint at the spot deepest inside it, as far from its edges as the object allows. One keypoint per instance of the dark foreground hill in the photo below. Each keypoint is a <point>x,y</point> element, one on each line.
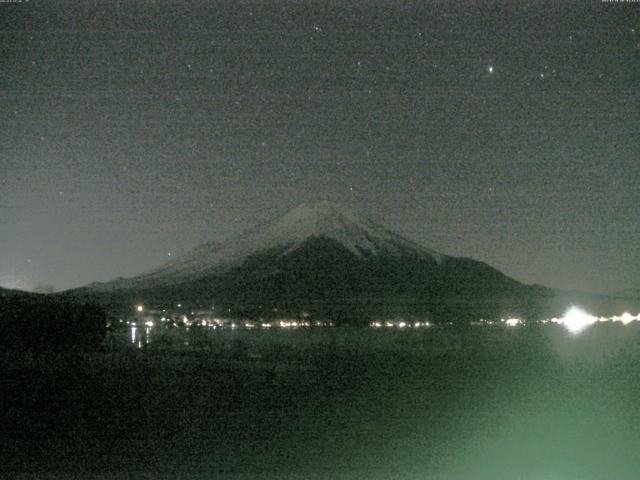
<point>38,323</point>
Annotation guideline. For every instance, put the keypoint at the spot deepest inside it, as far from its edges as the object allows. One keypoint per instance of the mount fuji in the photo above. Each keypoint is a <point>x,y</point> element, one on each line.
<point>323,259</point>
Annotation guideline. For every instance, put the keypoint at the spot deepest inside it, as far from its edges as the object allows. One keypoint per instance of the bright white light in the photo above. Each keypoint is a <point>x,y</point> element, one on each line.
<point>149,323</point>
<point>576,320</point>
<point>513,322</point>
<point>139,308</point>
<point>627,318</point>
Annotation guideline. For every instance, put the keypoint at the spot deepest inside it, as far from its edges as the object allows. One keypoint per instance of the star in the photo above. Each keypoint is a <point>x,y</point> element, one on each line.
<point>490,69</point>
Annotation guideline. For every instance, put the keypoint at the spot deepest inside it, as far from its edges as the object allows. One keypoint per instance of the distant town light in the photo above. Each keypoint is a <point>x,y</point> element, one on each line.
<point>576,320</point>
<point>513,322</point>
<point>627,318</point>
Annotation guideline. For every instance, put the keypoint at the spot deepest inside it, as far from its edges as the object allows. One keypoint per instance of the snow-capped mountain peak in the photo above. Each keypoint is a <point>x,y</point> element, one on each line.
<point>324,219</point>
<point>336,222</point>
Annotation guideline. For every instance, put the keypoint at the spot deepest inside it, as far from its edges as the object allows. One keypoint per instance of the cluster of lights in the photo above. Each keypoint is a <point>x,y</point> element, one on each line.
<point>216,323</point>
<point>398,324</point>
<point>576,319</point>
<point>287,324</point>
<point>512,322</point>
<point>293,324</point>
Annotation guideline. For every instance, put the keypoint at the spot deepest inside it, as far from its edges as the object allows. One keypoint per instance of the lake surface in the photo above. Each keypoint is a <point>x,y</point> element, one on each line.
<point>333,403</point>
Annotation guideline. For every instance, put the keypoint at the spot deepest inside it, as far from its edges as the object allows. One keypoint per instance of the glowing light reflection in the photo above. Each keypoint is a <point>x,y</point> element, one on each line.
<point>576,320</point>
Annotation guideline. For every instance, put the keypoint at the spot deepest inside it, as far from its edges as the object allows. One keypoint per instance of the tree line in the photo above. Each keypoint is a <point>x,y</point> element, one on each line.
<point>40,323</point>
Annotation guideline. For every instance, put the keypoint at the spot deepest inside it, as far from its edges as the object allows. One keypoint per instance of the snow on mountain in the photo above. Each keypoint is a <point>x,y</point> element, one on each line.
<point>322,219</point>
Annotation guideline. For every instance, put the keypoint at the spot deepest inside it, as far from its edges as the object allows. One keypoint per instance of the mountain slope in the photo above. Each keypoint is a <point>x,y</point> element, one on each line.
<point>323,259</point>
<point>8,294</point>
<point>321,220</point>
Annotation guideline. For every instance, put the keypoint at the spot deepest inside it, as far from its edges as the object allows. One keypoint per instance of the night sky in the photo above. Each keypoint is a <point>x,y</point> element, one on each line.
<point>133,131</point>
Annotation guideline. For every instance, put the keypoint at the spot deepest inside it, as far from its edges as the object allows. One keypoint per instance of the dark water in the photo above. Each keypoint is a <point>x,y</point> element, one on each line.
<point>492,403</point>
